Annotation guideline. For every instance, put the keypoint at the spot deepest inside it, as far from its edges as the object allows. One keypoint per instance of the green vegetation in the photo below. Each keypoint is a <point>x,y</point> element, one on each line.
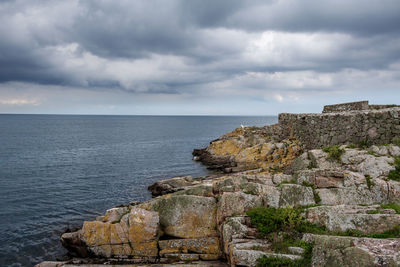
<point>393,233</point>
<point>312,165</point>
<point>395,174</point>
<point>283,228</point>
<point>392,206</point>
<point>275,170</point>
<point>269,220</point>
<point>369,181</point>
<point>334,152</point>
<point>363,145</point>
<point>374,154</point>
<point>293,181</point>
<point>317,198</point>
<point>283,262</point>
<point>351,146</point>
<point>396,141</point>
<point>373,211</point>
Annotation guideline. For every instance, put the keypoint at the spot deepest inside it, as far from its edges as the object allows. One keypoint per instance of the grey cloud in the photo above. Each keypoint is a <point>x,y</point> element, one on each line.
<point>209,37</point>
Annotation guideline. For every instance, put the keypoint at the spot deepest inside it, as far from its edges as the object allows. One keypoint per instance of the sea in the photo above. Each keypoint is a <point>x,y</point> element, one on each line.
<point>58,170</point>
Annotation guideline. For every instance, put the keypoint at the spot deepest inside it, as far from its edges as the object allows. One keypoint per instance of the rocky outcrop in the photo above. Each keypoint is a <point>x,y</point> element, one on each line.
<point>352,251</point>
<point>204,219</point>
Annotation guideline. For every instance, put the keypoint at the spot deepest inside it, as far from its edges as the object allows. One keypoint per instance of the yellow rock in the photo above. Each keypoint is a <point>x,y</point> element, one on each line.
<point>135,235</point>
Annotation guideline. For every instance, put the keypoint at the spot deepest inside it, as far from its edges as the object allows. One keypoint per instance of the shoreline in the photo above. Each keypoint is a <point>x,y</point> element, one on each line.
<point>276,167</point>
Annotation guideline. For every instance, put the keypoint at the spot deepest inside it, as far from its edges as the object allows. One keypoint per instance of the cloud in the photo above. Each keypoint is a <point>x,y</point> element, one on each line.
<point>274,50</point>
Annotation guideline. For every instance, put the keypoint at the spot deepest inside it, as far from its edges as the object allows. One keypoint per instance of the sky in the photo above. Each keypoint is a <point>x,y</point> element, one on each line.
<point>196,57</point>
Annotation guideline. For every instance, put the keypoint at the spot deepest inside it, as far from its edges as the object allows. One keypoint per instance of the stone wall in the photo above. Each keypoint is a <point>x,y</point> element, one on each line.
<point>361,105</point>
<point>378,126</point>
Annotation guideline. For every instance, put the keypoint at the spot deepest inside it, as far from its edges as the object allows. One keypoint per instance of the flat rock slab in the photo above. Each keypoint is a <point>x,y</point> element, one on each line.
<point>367,219</point>
<point>196,245</point>
<point>353,251</point>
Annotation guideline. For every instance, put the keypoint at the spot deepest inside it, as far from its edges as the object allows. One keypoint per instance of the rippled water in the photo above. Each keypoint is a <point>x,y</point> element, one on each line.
<point>56,171</point>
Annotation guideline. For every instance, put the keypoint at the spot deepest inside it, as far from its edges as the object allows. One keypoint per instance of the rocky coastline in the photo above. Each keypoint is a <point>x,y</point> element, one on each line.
<point>338,173</point>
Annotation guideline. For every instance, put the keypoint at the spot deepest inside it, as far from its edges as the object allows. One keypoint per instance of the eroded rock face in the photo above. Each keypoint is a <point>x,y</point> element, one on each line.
<point>135,235</point>
<point>248,148</point>
<point>185,216</point>
<point>366,219</point>
<point>205,218</point>
<point>352,251</point>
<point>171,185</point>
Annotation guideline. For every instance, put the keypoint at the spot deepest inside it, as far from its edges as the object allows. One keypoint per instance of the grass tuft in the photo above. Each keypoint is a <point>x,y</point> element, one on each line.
<point>334,152</point>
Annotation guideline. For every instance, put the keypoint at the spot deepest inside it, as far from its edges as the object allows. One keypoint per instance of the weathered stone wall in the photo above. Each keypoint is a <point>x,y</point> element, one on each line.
<point>377,126</point>
<point>361,105</point>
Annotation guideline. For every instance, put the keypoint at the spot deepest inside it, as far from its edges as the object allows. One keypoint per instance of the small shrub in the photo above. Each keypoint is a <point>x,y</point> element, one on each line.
<point>269,220</point>
<point>392,206</point>
<point>351,146</point>
<point>369,181</point>
<point>334,152</point>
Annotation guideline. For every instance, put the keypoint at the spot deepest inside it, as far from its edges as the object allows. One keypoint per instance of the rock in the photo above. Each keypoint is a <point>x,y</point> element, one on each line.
<point>322,178</point>
<point>74,244</point>
<point>202,190</point>
<point>341,218</point>
<point>249,257</point>
<point>170,185</point>
<point>352,251</point>
<point>394,150</point>
<point>208,245</point>
<point>135,235</point>
<point>354,195</point>
<point>302,162</point>
<point>394,192</point>
<point>376,166</point>
<point>115,214</point>
<point>379,150</point>
<point>279,178</point>
<point>296,250</point>
<point>182,257</point>
<point>234,227</point>
<point>237,203</point>
<point>296,195</point>
<point>185,216</point>
<point>51,264</point>
<point>320,160</point>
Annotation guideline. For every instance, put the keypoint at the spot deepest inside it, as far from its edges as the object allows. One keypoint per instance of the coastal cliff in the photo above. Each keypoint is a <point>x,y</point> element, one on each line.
<point>311,190</point>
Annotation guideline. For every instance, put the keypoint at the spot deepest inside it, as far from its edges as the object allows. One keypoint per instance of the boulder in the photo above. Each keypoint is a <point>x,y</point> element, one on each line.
<point>185,216</point>
<point>206,246</point>
<point>352,251</point>
<point>135,235</point>
<point>171,185</point>
<point>237,203</point>
<point>296,195</point>
<point>366,219</point>
<point>354,195</point>
<point>244,257</point>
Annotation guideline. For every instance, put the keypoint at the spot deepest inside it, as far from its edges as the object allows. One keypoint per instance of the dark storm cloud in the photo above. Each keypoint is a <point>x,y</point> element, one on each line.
<point>171,46</point>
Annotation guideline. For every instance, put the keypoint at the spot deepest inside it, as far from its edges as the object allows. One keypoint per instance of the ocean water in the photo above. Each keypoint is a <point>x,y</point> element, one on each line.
<point>58,170</point>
